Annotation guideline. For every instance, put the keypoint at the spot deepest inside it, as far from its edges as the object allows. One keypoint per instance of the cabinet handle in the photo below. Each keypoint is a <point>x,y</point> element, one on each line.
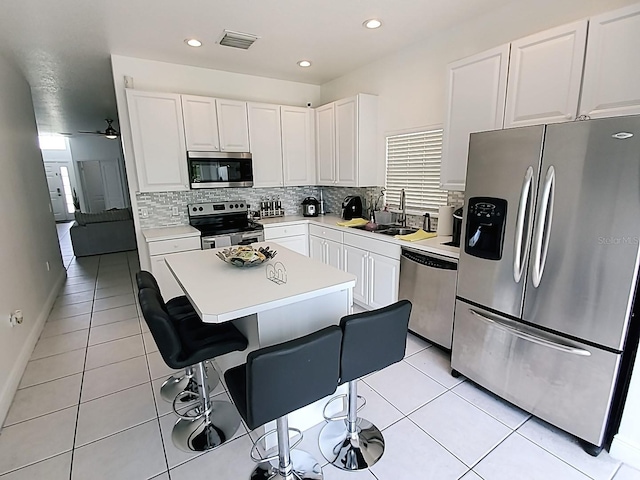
<point>370,299</point>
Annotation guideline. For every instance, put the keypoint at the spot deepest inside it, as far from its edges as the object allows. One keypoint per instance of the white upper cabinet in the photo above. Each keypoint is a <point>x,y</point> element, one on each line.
<point>298,159</point>
<point>326,144</point>
<point>266,147</point>
<point>347,143</point>
<point>611,84</point>
<point>233,125</point>
<point>476,90</point>
<point>545,73</point>
<point>159,147</point>
<point>346,117</point>
<point>200,123</point>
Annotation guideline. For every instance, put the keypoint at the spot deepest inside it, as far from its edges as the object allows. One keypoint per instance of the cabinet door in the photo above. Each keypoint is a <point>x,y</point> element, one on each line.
<point>159,147</point>
<point>296,243</point>
<point>325,144</point>
<point>355,262</point>
<point>233,126</point>
<point>612,67</point>
<point>346,141</point>
<point>169,286</point>
<point>298,158</point>
<point>383,280</point>
<point>333,254</point>
<point>266,148</point>
<point>476,89</point>
<point>200,123</point>
<point>545,73</point>
<point>316,248</point>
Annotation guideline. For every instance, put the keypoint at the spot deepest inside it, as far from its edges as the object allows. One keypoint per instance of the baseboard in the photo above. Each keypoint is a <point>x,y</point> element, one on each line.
<point>626,450</point>
<point>10,388</point>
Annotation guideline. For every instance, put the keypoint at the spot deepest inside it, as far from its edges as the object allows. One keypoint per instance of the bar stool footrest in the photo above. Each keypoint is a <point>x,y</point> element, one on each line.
<point>343,414</point>
<point>255,456</point>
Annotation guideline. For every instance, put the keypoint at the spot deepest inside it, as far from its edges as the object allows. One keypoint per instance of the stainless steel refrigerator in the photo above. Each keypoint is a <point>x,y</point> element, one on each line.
<point>548,270</point>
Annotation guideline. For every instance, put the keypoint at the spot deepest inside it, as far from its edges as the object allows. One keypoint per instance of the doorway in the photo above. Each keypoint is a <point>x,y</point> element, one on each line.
<point>60,190</point>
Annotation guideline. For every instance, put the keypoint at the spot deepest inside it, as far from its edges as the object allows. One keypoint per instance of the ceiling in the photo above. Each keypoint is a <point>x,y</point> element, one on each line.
<point>63,46</point>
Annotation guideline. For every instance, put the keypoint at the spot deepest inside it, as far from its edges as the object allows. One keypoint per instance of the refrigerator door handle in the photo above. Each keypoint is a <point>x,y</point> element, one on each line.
<point>531,338</point>
<point>543,227</point>
<point>518,254</point>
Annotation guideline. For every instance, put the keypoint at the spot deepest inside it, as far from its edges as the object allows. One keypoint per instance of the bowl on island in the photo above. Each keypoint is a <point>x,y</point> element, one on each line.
<point>246,256</point>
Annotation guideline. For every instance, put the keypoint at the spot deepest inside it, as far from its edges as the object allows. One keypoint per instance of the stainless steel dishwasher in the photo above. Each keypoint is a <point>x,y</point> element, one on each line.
<point>429,281</point>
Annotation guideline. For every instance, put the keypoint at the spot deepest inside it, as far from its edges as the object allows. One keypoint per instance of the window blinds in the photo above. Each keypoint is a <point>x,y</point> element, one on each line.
<point>413,163</point>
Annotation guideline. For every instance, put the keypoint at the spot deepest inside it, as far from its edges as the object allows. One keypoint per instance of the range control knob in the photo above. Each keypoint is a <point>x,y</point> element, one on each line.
<point>200,208</point>
<point>237,205</point>
<point>195,209</point>
<point>242,205</point>
<point>231,206</point>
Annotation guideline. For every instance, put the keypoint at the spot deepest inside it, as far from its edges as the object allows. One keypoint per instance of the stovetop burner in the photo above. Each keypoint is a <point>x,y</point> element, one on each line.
<point>221,218</point>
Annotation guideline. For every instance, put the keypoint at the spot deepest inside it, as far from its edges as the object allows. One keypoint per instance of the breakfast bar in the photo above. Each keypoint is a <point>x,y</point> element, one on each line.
<point>305,296</point>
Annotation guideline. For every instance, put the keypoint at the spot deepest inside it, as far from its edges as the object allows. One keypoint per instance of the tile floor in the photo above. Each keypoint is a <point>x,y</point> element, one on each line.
<point>88,407</point>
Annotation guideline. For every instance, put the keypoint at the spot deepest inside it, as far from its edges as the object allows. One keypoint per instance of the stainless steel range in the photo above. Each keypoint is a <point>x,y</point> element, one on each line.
<point>224,223</point>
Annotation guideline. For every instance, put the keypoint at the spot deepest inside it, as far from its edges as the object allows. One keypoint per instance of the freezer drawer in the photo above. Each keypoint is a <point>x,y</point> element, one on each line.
<point>566,383</point>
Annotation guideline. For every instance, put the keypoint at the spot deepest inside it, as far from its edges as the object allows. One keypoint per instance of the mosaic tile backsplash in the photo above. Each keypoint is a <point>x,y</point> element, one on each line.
<point>159,205</point>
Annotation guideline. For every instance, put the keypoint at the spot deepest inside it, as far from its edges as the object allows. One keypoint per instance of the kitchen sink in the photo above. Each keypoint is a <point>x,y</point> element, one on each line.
<point>377,228</point>
<point>398,231</point>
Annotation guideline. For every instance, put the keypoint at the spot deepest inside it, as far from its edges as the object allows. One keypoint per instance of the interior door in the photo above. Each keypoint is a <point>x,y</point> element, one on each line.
<point>584,254</point>
<point>112,184</point>
<point>92,185</point>
<point>503,165</point>
<point>56,192</point>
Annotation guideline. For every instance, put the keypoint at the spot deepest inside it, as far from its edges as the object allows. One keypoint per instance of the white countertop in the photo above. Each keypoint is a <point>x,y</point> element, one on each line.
<point>431,245</point>
<point>169,233</point>
<point>221,292</point>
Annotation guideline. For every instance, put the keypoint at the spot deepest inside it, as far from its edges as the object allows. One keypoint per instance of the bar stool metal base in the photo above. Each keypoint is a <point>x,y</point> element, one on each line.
<point>305,467</point>
<point>174,385</point>
<point>348,451</point>
<point>205,433</point>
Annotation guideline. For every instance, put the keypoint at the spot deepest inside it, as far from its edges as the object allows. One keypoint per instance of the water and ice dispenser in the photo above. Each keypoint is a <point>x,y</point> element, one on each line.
<point>484,233</point>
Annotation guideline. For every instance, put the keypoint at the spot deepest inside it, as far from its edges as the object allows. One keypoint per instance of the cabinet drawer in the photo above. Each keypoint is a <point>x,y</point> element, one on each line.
<point>324,232</point>
<point>387,249</point>
<point>173,246</point>
<point>285,231</point>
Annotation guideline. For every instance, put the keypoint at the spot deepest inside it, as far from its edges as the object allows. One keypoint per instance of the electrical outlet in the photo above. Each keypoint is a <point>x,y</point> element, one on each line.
<point>144,212</point>
<point>174,211</point>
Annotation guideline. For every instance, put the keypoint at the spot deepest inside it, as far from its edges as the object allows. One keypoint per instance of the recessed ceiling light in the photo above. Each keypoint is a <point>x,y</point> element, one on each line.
<point>193,42</point>
<point>373,23</point>
<point>304,63</point>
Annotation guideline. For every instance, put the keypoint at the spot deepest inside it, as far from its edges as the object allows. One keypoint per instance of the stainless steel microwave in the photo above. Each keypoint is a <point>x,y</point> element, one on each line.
<point>220,169</point>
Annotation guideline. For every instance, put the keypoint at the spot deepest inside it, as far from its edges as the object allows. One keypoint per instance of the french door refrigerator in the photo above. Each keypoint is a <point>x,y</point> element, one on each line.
<point>548,270</point>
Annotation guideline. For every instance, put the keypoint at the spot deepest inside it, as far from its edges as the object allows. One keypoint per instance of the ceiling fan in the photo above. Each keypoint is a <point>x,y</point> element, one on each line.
<point>109,132</point>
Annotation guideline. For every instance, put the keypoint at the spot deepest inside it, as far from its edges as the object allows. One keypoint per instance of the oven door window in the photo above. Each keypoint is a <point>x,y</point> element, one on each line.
<point>220,171</point>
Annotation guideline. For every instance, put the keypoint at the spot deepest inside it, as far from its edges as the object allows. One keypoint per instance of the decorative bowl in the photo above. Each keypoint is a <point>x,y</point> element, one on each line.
<point>246,256</point>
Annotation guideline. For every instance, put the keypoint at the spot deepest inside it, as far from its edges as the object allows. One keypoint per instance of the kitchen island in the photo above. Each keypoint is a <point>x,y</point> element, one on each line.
<point>309,296</point>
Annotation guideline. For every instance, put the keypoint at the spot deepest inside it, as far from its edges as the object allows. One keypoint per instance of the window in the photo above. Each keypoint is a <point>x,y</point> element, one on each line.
<point>413,163</point>
<point>52,142</point>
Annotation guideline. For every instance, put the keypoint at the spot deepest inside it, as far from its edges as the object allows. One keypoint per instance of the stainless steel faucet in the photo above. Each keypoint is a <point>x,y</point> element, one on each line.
<point>403,207</point>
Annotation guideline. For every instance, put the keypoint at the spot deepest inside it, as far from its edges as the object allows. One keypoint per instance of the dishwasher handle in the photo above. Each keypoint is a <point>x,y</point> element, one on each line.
<point>429,260</point>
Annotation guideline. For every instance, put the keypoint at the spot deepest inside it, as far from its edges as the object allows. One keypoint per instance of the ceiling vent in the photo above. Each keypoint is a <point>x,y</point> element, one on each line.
<point>237,39</point>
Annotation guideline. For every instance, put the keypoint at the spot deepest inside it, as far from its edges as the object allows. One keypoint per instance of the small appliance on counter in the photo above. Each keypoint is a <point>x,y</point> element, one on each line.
<point>456,228</point>
<point>351,207</point>
<point>310,207</point>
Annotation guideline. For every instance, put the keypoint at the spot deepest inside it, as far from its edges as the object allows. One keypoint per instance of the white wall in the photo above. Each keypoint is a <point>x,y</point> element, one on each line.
<point>166,77</point>
<point>29,235</point>
<point>411,84</point>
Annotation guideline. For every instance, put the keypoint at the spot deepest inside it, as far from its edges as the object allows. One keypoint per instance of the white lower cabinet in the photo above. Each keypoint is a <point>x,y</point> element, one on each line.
<point>355,263</point>
<point>159,250</point>
<point>383,276</point>
<point>293,237</point>
<point>326,251</point>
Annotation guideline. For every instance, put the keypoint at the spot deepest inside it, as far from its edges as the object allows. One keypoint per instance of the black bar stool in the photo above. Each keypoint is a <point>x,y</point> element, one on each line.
<point>371,341</point>
<point>179,308</point>
<point>190,342</point>
<point>277,380</point>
